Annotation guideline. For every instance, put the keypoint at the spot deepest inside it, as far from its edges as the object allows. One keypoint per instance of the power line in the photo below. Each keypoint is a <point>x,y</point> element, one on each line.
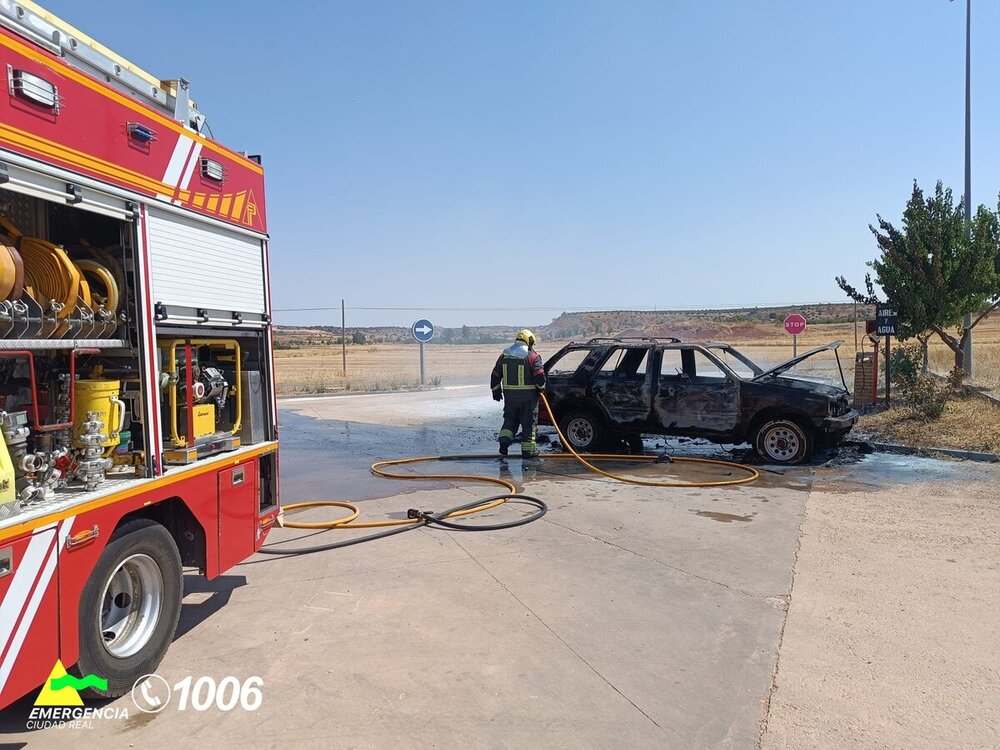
<point>435,309</point>
<point>587,308</point>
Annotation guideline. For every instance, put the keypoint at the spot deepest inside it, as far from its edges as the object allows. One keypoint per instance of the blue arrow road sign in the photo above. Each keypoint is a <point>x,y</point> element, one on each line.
<point>422,330</point>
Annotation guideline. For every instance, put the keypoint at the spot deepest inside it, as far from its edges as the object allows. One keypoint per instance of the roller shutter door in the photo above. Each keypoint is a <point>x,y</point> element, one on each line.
<point>200,265</point>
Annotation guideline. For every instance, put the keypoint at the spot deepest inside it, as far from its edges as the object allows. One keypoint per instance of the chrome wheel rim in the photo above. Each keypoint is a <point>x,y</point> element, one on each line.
<point>131,605</point>
<point>580,432</point>
<point>782,442</point>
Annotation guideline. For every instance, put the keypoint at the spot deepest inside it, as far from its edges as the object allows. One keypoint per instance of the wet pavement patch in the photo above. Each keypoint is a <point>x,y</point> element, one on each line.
<point>880,470</point>
<point>328,459</point>
<point>724,517</point>
<point>331,459</point>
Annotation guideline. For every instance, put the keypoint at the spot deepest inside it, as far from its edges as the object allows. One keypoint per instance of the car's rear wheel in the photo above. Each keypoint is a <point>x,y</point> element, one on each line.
<point>583,430</point>
<point>783,441</point>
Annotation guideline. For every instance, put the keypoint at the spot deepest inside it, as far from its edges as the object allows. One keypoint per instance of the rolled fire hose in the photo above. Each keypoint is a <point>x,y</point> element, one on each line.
<point>85,293</point>
<point>53,275</point>
<point>18,289</point>
<point>8,272</point>
<point>94,271</point>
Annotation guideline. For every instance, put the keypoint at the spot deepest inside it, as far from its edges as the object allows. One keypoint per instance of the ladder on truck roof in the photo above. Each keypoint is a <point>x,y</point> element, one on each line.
<point>34,22</point>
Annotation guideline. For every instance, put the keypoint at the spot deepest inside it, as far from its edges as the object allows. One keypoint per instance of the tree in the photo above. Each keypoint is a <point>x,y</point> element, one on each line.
<point>358,337</point>
<point>936,269</point>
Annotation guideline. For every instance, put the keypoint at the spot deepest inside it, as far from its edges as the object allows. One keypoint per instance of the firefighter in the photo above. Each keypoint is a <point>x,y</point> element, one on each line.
<point>517,380</point>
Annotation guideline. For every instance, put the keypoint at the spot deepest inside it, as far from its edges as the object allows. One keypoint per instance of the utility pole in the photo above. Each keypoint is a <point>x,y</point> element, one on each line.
<point>343,338</point>
<point>967,349</point>
<point>855,327</point>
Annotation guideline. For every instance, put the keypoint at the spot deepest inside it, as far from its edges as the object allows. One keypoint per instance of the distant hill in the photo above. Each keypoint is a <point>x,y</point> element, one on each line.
<point>686,324</point>
<point>691,324</point>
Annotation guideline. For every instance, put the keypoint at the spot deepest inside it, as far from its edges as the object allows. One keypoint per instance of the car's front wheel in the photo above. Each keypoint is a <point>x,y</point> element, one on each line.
<point>583,430</point>
<point>782,441</point>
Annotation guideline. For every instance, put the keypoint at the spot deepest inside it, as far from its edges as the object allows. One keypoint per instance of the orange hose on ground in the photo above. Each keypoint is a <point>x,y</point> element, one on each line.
<point>379,469</point>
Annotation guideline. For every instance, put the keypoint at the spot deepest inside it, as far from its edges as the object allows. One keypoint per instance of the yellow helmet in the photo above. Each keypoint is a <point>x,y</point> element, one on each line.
<point>526,336</point>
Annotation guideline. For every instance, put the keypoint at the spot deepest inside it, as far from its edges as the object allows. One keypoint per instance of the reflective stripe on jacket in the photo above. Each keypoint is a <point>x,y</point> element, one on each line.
<point>518,369</point>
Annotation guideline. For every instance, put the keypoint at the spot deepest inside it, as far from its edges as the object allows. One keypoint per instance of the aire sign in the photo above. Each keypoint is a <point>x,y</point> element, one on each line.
<point>886,320</point>
<point>795,324</point>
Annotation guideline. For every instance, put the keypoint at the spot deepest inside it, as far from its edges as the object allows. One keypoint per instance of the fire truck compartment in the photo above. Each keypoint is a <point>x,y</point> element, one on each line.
<point>91,394</point>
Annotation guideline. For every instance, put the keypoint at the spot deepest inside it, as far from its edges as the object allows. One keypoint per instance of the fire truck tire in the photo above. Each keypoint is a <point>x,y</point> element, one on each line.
<point>130,606</point>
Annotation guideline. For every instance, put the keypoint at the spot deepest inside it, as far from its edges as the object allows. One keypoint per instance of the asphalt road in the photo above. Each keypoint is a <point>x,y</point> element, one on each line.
<point>848,604</point>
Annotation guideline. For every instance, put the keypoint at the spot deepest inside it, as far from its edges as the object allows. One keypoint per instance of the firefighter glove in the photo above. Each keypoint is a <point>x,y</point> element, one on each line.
<point>497,395</point>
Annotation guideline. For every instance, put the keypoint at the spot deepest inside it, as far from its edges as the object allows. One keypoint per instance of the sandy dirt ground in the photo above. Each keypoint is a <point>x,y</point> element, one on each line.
<point>895,615</point>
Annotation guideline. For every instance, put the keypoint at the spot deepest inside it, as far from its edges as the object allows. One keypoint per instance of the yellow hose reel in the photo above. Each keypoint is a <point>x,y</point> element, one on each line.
<point>45,272</point>
<point>102,284</point>
<point>47,269</point>
<point>8,272</point>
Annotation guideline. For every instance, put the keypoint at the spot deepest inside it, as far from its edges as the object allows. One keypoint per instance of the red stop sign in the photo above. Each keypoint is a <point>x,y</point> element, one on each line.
<point>795,324</point>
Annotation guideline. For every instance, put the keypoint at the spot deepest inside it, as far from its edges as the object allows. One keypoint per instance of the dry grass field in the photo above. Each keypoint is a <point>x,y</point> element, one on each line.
<point>387,367</point>
<point>985,355</point>
<point>969,423</point>
<point>383,367</point>
<point>379,367</point>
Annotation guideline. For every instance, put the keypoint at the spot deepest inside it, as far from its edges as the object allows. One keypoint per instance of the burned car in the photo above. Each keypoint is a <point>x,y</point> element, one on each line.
<point>606,393</point>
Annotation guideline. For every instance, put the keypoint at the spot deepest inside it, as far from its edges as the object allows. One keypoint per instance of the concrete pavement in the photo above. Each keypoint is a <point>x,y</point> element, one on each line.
<point>628,616</point>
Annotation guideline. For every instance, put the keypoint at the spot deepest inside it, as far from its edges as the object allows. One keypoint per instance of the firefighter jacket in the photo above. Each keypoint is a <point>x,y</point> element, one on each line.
<point>518,371</point>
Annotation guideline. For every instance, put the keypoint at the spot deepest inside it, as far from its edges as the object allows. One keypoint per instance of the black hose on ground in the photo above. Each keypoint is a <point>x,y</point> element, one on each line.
<point>439,519</point>
<point>425,518</point>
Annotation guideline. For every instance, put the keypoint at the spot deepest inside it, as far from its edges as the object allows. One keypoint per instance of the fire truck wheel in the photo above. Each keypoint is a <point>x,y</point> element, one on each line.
<point>130,606</point>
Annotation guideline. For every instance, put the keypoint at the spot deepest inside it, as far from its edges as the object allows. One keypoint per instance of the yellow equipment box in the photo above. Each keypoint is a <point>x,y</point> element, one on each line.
<point>204,420</point>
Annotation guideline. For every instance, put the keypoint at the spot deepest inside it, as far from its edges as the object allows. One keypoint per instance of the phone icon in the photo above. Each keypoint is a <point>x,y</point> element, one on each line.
<point>146,691</point>
<point>151,693</point>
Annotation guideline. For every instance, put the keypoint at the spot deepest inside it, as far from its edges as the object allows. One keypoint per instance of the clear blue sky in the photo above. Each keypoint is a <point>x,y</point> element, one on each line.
<point>574,154</point>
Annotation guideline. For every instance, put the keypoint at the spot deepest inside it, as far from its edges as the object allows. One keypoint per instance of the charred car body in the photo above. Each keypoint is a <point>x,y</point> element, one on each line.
<point>608,391</point>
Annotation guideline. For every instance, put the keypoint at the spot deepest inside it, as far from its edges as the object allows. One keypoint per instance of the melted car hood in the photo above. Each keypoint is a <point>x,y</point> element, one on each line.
<point>787,365</point>
<point>820,389</point>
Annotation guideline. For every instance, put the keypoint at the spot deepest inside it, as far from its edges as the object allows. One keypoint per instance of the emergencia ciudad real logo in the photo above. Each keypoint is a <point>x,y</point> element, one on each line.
<point>59,703</point>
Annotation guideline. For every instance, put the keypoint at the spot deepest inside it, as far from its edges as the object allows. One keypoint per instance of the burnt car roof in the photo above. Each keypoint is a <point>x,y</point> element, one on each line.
<point>675,343</point>
<point>649,340</point>
<point>627,340</point>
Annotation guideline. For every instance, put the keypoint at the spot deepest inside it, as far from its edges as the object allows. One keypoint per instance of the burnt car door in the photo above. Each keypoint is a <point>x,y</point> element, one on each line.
<point>695,392</point>
<point>622,385</point>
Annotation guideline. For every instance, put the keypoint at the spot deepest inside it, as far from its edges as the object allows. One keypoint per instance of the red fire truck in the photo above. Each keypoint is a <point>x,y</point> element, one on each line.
<point>136,372</point>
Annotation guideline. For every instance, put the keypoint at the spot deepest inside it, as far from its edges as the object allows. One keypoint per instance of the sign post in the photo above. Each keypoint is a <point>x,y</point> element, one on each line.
<point>870,328</point>
<point>423,331</point>
<point>885,325</point>
<point>794,325</point>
